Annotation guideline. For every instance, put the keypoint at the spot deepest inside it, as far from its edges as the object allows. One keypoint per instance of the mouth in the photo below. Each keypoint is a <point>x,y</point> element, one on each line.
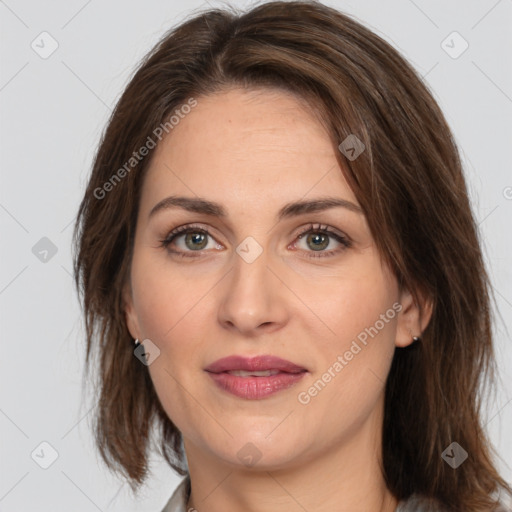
<point>244,373</point>
<point>254,378</point>
<point>253,365</point>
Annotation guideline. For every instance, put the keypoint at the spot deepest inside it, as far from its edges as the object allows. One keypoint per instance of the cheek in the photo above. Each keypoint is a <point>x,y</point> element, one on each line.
<point>350,303</point>
<point>348,383</point>
<point>174,373</point>
<point>171,313</point>
<point>353,361</point>
<point>164,296</point>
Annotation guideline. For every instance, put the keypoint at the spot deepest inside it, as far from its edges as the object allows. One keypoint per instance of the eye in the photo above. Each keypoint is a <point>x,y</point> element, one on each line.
<point>195,239</point>
<point>319,238</point>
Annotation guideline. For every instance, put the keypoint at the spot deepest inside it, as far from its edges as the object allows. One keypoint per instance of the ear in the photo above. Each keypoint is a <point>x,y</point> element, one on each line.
<point>413,317</point>
<point>132,322</point>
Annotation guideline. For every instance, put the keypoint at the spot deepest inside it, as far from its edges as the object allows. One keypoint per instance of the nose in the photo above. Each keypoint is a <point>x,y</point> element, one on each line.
<point>253,298</point>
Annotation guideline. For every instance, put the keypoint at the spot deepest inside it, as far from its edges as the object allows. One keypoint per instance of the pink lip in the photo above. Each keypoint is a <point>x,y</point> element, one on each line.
<point>254,388</point>
<point>258,363</point>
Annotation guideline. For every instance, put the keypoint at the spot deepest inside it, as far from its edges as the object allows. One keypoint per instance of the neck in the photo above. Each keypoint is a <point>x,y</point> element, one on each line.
<point>345,479</point>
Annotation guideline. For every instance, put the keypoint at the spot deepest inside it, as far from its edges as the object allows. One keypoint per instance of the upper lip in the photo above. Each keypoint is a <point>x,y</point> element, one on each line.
<point>258,363</point>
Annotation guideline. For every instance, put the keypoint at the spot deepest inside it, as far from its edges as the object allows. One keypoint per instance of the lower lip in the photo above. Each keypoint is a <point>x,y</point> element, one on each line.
<point>255,388</point>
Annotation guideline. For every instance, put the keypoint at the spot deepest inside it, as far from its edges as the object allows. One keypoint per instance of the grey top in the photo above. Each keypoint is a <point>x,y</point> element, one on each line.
<point>179,499</point>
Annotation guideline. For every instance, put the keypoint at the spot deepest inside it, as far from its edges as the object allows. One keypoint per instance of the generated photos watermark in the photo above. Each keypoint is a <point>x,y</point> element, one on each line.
<point>138,156</point>
<point>304,397</point>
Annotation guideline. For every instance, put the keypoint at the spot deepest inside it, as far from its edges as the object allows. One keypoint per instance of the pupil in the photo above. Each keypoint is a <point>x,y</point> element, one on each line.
<point>195,237</point>
<point>316,238</point>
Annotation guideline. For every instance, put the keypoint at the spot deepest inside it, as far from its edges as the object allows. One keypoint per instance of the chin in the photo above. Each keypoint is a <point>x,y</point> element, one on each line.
<point>257,452</point>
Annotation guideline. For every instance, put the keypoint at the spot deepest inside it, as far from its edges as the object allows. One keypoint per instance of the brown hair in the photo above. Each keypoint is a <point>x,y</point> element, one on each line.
<point>410,184</point>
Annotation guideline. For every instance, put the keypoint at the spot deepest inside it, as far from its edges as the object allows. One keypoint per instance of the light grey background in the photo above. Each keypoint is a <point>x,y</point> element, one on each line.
<point>52,113</point>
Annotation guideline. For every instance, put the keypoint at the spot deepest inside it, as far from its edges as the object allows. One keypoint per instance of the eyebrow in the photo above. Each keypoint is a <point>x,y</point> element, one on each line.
<point>200,205</point>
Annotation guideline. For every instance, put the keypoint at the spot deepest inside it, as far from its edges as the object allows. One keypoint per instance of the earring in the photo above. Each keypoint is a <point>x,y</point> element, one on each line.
<point>416,338</point>
<point>137,342</point>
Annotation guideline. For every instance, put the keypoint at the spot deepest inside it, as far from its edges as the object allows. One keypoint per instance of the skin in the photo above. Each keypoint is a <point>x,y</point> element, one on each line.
<point>253,151</point>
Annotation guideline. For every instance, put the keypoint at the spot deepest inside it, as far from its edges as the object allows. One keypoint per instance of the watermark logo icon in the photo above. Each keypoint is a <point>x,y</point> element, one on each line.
<point>44,45</point>
<point>249,250</point>
<point>146,352</point>
<point>44,250</point>
<point>249,454</point>
<point>44,455</point>
<point>454,455</point>
<point>454,45</point>
<point>352,147</point>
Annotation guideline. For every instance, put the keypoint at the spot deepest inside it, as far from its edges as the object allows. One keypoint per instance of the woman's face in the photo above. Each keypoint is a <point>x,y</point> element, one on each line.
<point>252,287</point>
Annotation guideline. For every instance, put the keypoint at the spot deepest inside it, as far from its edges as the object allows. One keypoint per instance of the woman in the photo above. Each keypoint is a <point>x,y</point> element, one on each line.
<point>281,272</point>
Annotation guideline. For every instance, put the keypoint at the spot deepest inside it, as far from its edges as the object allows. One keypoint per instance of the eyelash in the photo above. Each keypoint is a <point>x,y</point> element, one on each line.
<point>319,229</point>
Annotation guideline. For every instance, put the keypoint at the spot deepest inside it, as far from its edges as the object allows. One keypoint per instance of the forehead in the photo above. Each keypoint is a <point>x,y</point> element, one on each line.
<point>245,144</point>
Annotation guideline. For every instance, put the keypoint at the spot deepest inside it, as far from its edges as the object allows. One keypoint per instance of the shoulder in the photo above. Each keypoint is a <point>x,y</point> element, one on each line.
<point>178,500</point>
<point>417,503</point>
